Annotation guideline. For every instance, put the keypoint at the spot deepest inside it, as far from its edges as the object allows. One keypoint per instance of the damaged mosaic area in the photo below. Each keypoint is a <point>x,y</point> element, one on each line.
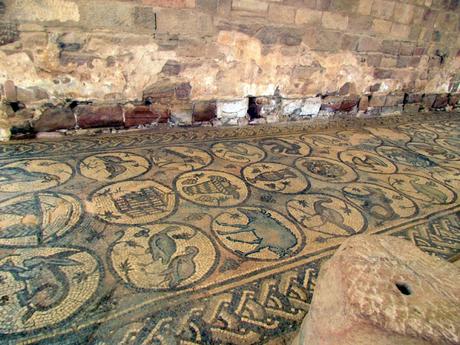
<point>207,236</point>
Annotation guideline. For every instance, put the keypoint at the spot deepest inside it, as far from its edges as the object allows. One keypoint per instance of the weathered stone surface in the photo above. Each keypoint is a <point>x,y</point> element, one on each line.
<point>44,10</point>
<point>298,108</point>
<point>8,33</point>
<point>99,116</point>
<point>204,111</point>
<point>383,290</point>
<point>232,109</point>
<point>146,115</point>
<point>55,119</point>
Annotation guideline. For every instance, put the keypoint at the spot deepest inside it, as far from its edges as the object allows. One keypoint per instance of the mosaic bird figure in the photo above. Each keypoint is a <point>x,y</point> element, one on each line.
<point>114,165</point>
<point>281,146</point>
<point>46,285</point>
<point>429,190</point>
<point>329,215</point>
<point>181,267</point>
<point>162,247</point>
<point>368,161</point>
<point>20,175</point>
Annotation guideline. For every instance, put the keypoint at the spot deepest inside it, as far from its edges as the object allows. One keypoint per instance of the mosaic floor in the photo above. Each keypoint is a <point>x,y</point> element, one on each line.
<point>207,236</point>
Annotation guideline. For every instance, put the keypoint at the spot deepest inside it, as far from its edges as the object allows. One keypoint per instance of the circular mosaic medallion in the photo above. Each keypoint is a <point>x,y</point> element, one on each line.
<point>381,203</point>
<point>452,144</point>
<point>434,151</point>
<point>367,161</point>
<point>390,135</point>
<point>212,188</point>
<point>132,202</point>
<point>257,233</point>
<point>238,152</point>
<point>418,133</point>
<point>422,188</point>
<point>34,219</point>
<point>355,138</point>
<point>326,214</point>
<point>323,141</point>
<point>45,286</point>
<point>326,169</point>
<point>33,175</point>
<point>443,128</point>
<point>449,174</point>
<point>286,147</point>
<point>181,158</point>
<point>275,177</point>
<point>113,166</point>
<point>406,157</point>
<point>163,256</point>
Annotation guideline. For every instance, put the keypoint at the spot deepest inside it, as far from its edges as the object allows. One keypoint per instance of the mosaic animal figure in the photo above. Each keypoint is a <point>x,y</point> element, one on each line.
<point>429,190</point>
<point>368,161</point>
<point>46,285</point>
<point>375,202</point>
<point>330,215</point>
<point>20,175</point>
<point>181,267</point>
<point>414,159</point>
<point>162,247</point>
<point>281,146</point>
<point>269,233</point>
<point>273,176</point>
<point>115,165</point>
<point>185,158</point>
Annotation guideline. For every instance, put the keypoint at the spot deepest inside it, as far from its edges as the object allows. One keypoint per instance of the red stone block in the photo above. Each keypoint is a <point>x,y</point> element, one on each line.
<point>89,116</point>
<point>204,111</point>
<point>183,91</point>
<point>144,115</point>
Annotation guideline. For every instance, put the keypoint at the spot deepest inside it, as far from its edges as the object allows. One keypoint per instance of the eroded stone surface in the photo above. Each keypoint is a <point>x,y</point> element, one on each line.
<point>385,291</point>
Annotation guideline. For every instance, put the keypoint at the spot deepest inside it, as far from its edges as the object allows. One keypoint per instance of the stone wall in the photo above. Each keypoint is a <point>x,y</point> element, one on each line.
<point>96,63</point>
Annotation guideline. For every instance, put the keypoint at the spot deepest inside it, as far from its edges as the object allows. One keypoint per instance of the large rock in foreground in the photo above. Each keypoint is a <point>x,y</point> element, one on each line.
<point>382,290</point>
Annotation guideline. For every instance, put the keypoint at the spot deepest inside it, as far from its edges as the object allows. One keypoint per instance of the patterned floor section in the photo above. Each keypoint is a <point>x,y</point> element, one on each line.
<point>207,236</point>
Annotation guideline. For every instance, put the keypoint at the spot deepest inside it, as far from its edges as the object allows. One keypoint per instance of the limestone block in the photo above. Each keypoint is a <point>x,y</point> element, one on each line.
<point>44,10</point>
<point>383,290</point>
<point>232,109</point>
<point>305,107</point>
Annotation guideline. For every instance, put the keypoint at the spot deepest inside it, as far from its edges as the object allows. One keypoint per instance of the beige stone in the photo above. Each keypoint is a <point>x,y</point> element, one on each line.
<point>44,10</point>
<point>281,14</point>
<point>308,16</point>
<point>381,26</point>
<point>334,21</point>
<point>250,5</point>
<point>383,290</point>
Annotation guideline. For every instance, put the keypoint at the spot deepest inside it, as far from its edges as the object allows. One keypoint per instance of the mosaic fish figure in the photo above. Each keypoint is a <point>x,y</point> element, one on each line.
<point>376,203</point>
<point>46,285</point>
<point>269,233</point>
<point>368,161</point>
<point>282,146</point>
<point>181,267</point>
<point>20,175</point>
<point>273,176</point>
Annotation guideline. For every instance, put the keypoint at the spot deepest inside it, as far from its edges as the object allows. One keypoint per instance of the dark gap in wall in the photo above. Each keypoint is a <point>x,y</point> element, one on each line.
<point>16,106</point>
<point>405,99</point>
<point>253,109</point>
<point>148,101</point>
<point>72,104</point>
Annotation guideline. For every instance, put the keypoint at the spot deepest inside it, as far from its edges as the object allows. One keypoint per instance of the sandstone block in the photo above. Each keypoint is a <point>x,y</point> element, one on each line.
<point>145,115</point>
<point>428,101</point>
<point>381,26</point>
<point>377,100</point>
<point>394,99</point>
<point>181,114</point>
<point>383,290</point>
<point>412,108</point>
<point>365,7</point>
<point>204,111</point>
<point>404,13</point>
<point>54,119</point>
<point>89,116</point>
<point>400,31</point>
<point>44,10</point>
<point>327,40</point>
<point>250,5</point>
<point>298,108</point>
<point>10,91</point>
<point>383,9</point>
<point>363,103</point>
<point>232,109</point>
<point>308,16</point>
<point>344,5</point>
<point>170,3</point>
<point>281,14</point>
<point>184,23</point>
<point>334,21</point>
<point>441,101</point>
<point>391,47</point>
<point>369,44</point>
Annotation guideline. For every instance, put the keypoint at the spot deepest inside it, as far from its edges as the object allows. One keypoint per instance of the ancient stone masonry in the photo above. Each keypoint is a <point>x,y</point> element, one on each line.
<point>69,64</point>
